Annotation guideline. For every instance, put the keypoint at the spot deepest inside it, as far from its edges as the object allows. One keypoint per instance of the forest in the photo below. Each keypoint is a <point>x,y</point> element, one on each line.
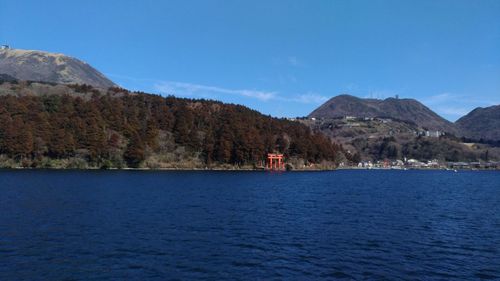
<point>86,128</point>
<point>444,149</point>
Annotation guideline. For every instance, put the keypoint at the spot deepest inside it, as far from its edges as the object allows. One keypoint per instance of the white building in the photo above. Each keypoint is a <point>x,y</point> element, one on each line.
<point>433,134</point>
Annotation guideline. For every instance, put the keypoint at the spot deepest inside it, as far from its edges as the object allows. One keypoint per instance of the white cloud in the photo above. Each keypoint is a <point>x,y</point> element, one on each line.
<point>455,105</point>
<point>196,90</point>
<point>470,100</point>
<point>213,92</point>
<point>309,98</point>
<point>293,61</point>
<point>441,98</point>
<point>192,90</point>
<point>453,110</point>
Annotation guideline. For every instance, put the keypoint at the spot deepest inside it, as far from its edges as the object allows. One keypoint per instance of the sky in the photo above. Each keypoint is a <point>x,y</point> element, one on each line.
<point>282,58</point>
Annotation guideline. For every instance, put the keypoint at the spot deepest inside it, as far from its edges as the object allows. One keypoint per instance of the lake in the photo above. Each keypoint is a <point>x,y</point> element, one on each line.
<point>172,225</point>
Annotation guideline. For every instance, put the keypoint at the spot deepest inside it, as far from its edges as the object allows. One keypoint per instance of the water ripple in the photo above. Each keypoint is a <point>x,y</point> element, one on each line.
<point>343,225</point>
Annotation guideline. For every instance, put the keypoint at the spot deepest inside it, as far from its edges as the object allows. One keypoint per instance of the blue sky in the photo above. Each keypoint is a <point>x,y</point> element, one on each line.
<point>283,58</point>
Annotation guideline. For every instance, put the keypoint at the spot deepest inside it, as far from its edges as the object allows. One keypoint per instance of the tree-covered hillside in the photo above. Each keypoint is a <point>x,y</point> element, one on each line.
<point>85,127</point>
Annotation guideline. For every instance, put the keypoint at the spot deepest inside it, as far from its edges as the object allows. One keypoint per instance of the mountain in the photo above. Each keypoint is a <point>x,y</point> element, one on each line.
<point>6,78</point>
<point>397,129</point>
<point>408,110</point>
<point>78,126</point>
<point>481,123</point>
<point>50,67</point>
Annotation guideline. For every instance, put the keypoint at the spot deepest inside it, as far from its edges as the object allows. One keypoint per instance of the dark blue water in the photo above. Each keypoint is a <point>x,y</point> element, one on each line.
<point>353,225</point>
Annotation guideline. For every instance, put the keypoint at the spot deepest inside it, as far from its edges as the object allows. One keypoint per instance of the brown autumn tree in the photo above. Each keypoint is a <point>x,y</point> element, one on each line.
<point>121,125</point>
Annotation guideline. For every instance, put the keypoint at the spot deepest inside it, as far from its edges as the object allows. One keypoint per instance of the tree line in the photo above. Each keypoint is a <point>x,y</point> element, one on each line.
<point>120,129</point>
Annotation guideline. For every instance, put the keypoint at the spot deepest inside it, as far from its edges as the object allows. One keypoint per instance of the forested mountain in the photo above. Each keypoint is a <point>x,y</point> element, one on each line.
<point>481,123</point>
<point>44,125</point>
<point>382,138</point>
<point>394,129</point>
<point>50,67</point>
<point>57,111</point>
<point>408,110</point>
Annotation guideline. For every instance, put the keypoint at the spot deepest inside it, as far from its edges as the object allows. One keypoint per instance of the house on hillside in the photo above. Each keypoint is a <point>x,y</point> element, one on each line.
<point>4,47</point>
<point>433,134</point>
<point>429,134</point>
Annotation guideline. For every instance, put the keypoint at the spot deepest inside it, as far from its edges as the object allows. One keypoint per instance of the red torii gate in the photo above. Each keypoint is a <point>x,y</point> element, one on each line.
<point>276,161</point>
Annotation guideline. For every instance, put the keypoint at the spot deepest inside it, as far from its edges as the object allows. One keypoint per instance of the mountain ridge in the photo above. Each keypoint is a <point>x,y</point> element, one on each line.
<point>34,65</point>
<point>481,123</point>
<point>44,125</point>
<point>409,110</point>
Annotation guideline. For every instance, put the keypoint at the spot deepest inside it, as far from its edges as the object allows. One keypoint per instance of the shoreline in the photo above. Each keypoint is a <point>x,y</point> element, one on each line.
<point>219,169</point>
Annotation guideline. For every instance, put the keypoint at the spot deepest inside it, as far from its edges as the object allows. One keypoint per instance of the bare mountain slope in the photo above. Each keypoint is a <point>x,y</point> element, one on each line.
<point>481,123</point>
<point>49,67</point>
<point>408,110</point>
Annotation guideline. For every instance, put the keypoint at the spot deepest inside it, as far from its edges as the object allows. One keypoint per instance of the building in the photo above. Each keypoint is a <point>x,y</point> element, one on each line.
<point>414,163</point>
<point>458,165</point>
<point>433,134</point>
<point>4,47</point>
<point>398,163</point>
<point>433,164</point>
<point>430,134</point>
<point>492,165</point>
